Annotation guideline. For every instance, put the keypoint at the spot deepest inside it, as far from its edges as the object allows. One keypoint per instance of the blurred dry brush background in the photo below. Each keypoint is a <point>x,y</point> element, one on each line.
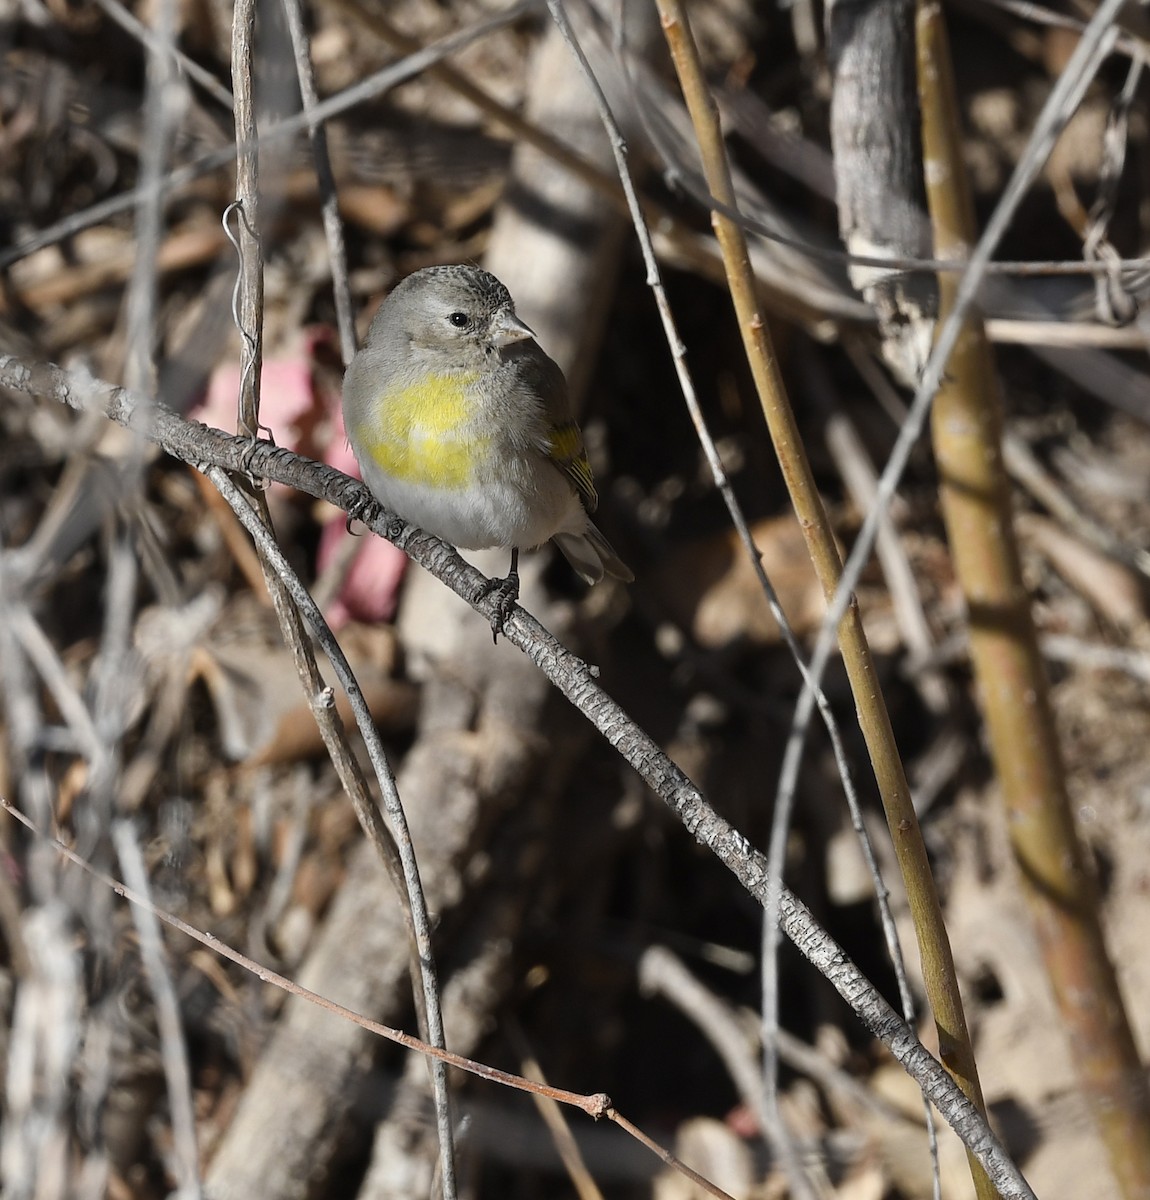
<point>152,718</point>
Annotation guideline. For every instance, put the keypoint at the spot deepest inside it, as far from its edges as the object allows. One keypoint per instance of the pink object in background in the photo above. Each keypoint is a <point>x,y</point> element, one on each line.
<point>305,416</point>
<point>370,588</point>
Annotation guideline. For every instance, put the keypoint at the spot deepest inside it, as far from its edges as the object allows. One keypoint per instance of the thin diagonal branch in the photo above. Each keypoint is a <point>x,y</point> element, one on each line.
<point>203,448</point>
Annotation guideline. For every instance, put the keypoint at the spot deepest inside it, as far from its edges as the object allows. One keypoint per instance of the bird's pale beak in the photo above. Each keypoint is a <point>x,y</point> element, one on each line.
<point>507,329</point>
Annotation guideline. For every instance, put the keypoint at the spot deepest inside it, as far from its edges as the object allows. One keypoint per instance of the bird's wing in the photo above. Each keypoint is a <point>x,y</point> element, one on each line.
<point>565,449</point>
<point>562,442</point>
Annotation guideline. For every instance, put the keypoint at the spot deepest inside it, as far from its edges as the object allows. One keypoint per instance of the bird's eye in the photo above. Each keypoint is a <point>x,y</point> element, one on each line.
<point>460,320</point>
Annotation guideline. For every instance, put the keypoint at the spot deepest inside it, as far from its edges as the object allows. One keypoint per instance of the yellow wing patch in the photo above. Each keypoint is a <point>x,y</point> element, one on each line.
<point>565,449</point>
<point>425,434</point>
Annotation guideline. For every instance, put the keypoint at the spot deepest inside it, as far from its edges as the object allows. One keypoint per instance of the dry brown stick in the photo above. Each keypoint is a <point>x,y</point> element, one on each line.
<point>596,1105</point>
<point>1057,877</point>
<point>553,1117</point>
<point>396,851</point>
<point>934,945</point>
<point>667,1157</point>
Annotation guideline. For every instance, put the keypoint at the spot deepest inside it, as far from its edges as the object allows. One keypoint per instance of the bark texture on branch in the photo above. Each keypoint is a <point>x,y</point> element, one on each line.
<point>199,445</point>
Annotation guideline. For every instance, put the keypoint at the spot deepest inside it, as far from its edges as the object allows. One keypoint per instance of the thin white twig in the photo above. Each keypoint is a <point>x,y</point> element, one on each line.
<point>115,673</point>
<point>174,1052</point>
<point>162,97</point>
<point>127,21</point>
<point>332,226</point>
<point>22,714</point>
<point>42,655</point>
<point>392,804</point>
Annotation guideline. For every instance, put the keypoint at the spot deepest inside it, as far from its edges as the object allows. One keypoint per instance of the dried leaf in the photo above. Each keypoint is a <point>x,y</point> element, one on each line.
<point>711,587</point>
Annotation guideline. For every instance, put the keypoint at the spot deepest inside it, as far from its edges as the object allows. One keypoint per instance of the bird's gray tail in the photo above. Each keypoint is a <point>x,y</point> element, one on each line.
<point>592,556</point>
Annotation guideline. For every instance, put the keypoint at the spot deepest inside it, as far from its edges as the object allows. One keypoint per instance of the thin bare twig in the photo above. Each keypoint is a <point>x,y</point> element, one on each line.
<point>174,1053</point>
<point>666,1155</point>
<point>161,112</point>
<point>773,1126</point>
<point>332,226</point>
<point>597,1105</point>
<point>1096,43</point>
<point>248,305</point>
<point>1080,69</point>
<point>157,45</point>
<point>407,885</point>
<point>769,957</point>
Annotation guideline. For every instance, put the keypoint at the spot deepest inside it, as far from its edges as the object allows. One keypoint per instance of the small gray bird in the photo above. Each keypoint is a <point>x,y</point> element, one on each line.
<point>462,425</point>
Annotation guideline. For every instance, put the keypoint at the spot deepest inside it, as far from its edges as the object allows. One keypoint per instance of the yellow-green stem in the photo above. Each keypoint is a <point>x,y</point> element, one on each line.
<point>934,945</point>
<point>1053,866</point>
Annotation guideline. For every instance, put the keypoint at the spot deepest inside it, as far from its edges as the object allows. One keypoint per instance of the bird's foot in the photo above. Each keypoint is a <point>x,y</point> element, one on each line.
<point>506,593</point>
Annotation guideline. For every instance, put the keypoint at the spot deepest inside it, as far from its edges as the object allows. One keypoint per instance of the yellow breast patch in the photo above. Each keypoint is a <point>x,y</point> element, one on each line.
<point>424,434</point>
